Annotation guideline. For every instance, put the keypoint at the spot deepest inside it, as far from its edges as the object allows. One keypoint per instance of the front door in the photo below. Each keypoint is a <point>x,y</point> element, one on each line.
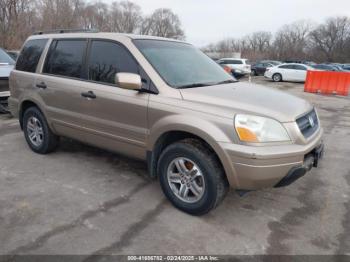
<point>117,118</point>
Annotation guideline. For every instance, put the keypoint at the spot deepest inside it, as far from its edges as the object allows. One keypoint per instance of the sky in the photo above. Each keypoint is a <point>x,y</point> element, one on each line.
<point>207,21</point>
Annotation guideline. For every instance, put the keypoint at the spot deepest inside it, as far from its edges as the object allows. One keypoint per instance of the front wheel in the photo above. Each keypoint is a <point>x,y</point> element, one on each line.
<point>37,133</point>
<point>191,177</point>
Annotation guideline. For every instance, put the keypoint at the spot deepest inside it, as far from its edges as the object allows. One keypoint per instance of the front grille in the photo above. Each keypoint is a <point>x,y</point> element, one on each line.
<point>308,124</point>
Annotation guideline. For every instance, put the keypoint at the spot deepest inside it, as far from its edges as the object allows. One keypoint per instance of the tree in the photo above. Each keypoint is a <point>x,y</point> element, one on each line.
<point>57,14</point>
<point>96,16</point>
<point>332,39</point>
<point>125,17</point>
<point>164,23</point>
<point>291,41</point>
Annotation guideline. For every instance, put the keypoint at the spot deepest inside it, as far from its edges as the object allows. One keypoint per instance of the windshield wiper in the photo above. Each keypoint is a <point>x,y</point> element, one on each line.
<point>226,82</point>
<point>195,85</point>
<point>207,84</point>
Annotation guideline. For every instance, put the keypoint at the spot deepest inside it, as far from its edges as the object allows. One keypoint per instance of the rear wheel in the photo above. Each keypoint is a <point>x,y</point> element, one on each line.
<point>254,73</point>
<point>37,133</point>
<point>191,177</point>
<point>277,77</point>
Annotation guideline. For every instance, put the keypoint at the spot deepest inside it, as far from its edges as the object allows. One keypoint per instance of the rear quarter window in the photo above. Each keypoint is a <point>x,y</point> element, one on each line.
<point>31,52</point>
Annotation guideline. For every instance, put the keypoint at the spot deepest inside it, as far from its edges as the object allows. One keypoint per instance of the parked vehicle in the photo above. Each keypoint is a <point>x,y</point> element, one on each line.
<point>260,68</point>
<point>274,62</point>
<point>346,67</point>
<point>288,72</point>
<point>327,67</point>
<point>231,71</point>
<point>165,102</point>
<point>304,62</point>
<point>13,53</point>
<point>241,67</point>
<point>6,65</point>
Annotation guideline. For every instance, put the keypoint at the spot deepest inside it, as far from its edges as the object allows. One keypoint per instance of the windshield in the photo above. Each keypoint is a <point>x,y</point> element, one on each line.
<point>5,58</point>
<point>182,65</point>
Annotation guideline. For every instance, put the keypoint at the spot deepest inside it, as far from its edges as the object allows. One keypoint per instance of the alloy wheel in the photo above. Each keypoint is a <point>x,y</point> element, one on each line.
<point>186,180</point>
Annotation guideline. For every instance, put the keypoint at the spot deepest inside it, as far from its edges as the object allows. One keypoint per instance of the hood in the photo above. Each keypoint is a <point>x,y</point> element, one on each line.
<point>249,98</point>
<point>5,70</point>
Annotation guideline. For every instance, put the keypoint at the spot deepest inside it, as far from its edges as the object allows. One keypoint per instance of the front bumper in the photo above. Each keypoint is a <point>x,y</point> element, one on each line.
<point>311,160</point>
<point>254,168</point>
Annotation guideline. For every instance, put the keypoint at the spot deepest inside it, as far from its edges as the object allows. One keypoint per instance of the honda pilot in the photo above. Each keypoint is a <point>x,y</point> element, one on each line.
<point>165,102</point>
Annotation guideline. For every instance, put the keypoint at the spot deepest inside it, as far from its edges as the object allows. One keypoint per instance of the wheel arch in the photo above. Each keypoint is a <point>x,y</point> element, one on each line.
<point>171,134</point>
<point>25,104</point>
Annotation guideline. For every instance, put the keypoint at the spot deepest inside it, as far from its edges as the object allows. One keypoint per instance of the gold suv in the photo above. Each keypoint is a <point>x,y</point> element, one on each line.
<point>165,102</point>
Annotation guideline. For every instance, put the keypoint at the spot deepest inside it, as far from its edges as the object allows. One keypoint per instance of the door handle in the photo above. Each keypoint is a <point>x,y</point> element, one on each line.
<point>89,94</point>
<point>42,85</point>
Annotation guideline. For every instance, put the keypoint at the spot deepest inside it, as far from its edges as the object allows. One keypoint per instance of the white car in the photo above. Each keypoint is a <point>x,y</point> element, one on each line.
<point>239,66</point>
<point>288,72</point>
<point>6,66</point>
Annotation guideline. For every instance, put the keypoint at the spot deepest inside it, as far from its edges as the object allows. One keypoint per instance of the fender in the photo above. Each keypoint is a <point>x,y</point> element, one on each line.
<point>211,134</point>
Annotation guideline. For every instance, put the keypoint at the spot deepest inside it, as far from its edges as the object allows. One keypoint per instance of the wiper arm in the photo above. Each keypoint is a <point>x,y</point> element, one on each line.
<point>195,85</point>
<point>207,84</point>
<point>226,82</point>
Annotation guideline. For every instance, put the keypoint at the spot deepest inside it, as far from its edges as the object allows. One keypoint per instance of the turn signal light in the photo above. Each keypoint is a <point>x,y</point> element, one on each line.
<point>246,135</point>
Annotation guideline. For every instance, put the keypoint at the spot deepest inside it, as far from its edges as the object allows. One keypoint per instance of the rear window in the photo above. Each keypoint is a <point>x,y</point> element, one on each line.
<point>5,58</point>
<point>65,58</point>
<point>29,58</point>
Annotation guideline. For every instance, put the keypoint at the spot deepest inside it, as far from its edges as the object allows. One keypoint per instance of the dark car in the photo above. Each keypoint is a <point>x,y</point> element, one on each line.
<point>346,67</point>
<point>260,68</point>
<point>304,62</point>
<point>327,67</point>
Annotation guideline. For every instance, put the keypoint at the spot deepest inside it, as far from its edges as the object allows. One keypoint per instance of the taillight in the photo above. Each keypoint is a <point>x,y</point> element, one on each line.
<point>227,69</point>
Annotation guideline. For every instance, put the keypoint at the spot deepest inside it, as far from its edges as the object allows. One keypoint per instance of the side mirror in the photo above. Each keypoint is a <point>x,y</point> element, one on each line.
<point>128,81</point>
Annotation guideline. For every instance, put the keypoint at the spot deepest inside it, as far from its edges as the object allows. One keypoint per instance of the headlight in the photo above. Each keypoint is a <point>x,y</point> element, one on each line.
<point>256,129</point>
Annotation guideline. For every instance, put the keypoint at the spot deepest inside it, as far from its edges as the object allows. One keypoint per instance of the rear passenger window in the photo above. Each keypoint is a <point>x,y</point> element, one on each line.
<point>287,67</point>
<point>65,58</point>
<point>30,55</point>
<point>300,67</point>
<point>108,58</point>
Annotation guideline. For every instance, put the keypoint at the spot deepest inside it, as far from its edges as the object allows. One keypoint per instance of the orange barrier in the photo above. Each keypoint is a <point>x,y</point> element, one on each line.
<point>336,83</point>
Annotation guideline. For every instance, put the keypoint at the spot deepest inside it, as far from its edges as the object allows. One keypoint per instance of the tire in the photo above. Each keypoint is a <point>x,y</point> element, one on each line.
<point>277,77</point>
<point>254,73</point>
<point>210,175</point>
<point>33,119</point>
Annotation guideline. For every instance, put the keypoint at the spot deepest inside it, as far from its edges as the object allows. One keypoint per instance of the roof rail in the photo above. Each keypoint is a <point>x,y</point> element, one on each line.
<point>63,31</point>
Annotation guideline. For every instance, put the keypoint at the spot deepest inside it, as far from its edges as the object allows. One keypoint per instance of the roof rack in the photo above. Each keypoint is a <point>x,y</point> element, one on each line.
<point>63,31</point>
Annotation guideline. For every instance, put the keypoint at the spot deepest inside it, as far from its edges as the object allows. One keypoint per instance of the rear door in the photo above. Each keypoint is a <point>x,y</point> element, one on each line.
<point>287,72</point>
<point>260,68</point>
<point>300,72</point>
<point>60,86</point>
